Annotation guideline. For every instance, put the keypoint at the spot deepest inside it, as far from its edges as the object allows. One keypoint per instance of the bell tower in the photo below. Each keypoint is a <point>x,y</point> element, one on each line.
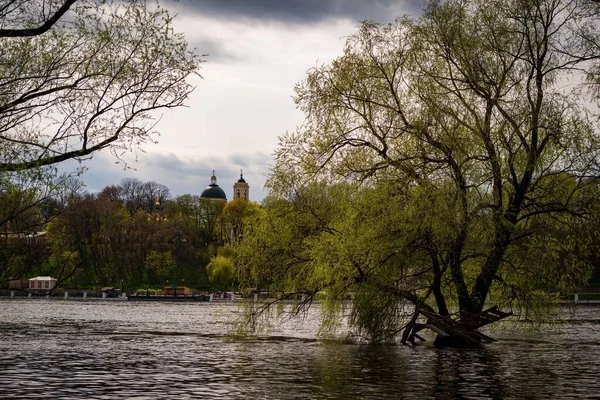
<point>241,190</point>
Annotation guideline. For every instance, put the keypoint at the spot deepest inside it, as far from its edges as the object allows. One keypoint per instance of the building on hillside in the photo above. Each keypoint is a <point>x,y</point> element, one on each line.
<point>42,283</point>
<point>241,189</point>
<point>213,200</point>
<point>213,191</point>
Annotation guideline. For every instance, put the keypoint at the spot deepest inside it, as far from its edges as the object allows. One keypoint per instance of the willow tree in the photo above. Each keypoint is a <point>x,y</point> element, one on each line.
<point>90,81</point>
<point>479,109</point>
<point>80,76</point>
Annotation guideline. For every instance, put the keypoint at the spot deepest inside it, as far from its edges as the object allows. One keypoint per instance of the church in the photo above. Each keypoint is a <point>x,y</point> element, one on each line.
<point>241,190</point>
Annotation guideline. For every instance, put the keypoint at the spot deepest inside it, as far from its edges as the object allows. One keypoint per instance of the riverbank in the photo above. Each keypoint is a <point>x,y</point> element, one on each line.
<point>100,295</point>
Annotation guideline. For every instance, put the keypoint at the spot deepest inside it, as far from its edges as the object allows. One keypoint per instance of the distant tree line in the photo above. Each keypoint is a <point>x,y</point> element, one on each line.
<point>131,235</point>
<point>76,77</point>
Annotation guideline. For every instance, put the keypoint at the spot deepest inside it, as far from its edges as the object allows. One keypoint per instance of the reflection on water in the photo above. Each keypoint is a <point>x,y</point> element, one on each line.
<point>107,350</point>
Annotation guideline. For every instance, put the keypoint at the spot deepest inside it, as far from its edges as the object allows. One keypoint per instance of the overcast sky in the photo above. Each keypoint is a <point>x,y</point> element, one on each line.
<point>258,50</point>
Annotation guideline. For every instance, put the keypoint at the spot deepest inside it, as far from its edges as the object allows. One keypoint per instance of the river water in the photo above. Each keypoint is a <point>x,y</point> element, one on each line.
<point>128,350</point>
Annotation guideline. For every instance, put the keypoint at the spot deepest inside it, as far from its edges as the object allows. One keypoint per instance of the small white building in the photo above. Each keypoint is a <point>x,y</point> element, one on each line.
<point>42,282</point>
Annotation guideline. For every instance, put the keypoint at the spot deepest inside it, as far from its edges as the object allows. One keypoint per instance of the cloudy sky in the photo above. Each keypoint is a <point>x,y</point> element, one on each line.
<point>258,50</point>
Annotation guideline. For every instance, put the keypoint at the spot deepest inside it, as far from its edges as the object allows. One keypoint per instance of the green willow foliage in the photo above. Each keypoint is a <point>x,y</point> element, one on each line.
<point>443,162</point>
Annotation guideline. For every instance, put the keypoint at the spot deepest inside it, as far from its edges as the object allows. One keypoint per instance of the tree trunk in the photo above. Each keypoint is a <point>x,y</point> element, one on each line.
<point>436,286</point>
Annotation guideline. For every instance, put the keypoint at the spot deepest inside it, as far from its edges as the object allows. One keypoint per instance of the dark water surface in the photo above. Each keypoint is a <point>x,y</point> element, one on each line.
<point>123,350</point>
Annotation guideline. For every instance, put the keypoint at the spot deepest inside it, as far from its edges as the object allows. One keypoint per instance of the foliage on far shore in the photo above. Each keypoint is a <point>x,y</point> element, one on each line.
<point>128,235</point>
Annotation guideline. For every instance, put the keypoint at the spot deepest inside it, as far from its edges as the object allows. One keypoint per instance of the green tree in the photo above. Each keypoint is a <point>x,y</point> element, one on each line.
<point>87,83</point>
<point>235,214</point>
<point>29,201</point>
<point>198,219</point>
<point>161,265</point>
<point>463,114</point>
<point>185,214</point>
<point>76,77</point>
<point>94,228</point>
<point>113,245</point>
<point>221,271</point>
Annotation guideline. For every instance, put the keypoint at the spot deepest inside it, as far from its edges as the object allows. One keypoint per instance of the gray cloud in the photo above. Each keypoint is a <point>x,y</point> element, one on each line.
<point>194,175</point>
<point>215,50</point>
<point>301,11</point>
<point>245,160</point>
<point>180,174</point>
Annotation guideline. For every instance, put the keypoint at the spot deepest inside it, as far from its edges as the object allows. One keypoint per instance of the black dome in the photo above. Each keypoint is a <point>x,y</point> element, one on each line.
<point>213,191</point>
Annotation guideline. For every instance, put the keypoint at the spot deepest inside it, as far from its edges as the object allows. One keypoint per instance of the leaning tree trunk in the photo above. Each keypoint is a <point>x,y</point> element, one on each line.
<point>463,332</point>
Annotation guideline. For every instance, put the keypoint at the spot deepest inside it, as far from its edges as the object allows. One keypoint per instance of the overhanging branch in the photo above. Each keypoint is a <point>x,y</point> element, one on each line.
<point>49,23</point>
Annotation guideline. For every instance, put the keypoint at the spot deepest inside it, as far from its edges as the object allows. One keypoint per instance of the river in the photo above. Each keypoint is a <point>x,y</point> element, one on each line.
<point>67,349</point>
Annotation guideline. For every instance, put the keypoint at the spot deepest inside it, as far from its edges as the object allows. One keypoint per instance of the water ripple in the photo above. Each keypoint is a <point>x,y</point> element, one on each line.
<point>106,350</point>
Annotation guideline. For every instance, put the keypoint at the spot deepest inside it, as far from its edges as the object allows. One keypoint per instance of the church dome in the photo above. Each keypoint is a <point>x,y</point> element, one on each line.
<point>241,180</point>
<point>213,191</point>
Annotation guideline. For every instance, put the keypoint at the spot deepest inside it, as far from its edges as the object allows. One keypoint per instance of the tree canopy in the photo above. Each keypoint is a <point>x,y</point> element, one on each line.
<point>446,161</point>
<point>76,77</point>
<point>72,83</point>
